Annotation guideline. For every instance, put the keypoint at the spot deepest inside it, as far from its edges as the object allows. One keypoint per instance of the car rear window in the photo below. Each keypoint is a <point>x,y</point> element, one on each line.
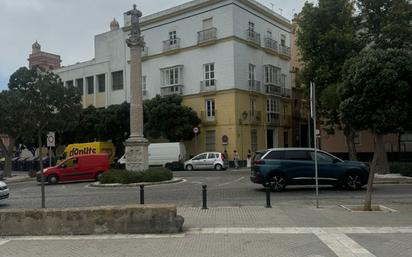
<point>275,155</point>
<point>258,155</point>
<point>297,155</point>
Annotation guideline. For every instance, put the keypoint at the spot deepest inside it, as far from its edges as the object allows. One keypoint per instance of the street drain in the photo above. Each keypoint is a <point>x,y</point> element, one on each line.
<point>375,208</point>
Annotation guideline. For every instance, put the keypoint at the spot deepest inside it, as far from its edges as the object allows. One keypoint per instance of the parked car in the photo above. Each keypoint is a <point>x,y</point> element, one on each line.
<point>208,160</point>
<point>167,155</point>
<point>82,167</point>
<point>295,166</point>
<point>4,190</point>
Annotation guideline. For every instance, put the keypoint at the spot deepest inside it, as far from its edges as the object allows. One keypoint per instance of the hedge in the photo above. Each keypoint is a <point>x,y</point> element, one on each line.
<point>128,177</point>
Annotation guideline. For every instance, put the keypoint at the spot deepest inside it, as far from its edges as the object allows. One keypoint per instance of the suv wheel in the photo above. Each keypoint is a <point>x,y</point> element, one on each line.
<point>277,183</point>
<point>189,167</point>
<point>218,167</point>
<point>353,181</point>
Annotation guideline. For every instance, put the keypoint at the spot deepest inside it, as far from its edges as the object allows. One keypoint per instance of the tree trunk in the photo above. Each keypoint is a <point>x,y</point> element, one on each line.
<point>379,164</point>
<point>350,143</point>
<point>380,158</point>
<point>9,155</point>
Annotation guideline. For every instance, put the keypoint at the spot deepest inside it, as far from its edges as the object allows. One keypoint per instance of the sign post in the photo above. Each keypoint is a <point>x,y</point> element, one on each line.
<point>196,131</point>
<point>315,132</point>
<point>51,142</point>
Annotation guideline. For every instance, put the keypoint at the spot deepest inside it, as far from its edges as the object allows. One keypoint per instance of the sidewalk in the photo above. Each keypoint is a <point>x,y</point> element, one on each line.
<point>18,177</point>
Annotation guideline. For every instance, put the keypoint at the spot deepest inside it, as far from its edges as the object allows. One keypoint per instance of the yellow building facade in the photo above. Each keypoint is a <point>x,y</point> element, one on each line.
<point>241,116</point>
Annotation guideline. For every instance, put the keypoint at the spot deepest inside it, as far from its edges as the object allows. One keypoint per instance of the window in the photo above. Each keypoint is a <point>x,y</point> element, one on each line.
<point>272,109</point>
<point>210,109</point>
<point>252,107</point>
<point>251,26</point>
<point>283,80</point>
<point>253,140</point>
<point>207,23</point>
<point>252,72</point>
<point>200,157</point>
<point>117,80</point>
<point>212,156</point>
<point>144,85</point>
<point>90,85</point>
<point>282,40</point>
<point>272,74</point>
<point>321,157</point>
<point>69,83</point>
<point>297,155</point>
<point>101,80</point>
<point>275,155</point>
<point>79,85</point>
<point>172,37</point>
<point>269,34</point>
<point>209,74</point>
<point>172,76</point>
<point>286,139</point>
<point>210,140</point>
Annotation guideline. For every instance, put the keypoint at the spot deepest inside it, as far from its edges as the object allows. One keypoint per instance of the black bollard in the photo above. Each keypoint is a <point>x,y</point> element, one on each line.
<point>268,205</point>
<point>204,193</point>
<point>141,194</point>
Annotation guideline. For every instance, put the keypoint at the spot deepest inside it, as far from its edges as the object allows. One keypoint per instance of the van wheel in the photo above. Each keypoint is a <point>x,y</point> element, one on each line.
<point>353,181</point>
<point>189,167</point>
<point>99,176</point>
<point>277,183</point>
<point>52,179</point>
<point>218,167</point>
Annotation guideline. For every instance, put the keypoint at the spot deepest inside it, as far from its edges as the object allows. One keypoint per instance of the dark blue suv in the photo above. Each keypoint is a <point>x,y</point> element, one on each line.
<point>296,166</point>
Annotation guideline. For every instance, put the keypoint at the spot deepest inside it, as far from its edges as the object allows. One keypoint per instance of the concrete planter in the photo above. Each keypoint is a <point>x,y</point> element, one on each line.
<point>127,219</point>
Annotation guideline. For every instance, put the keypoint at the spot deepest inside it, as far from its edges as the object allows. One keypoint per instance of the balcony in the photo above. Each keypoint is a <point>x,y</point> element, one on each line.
<point>273,119</point>
<point>284,52</point>
<point>171,90</point>
<point>254,86</point>
<point>171,46</point>
<point>207,36</point>
<point>271,46</point>
<point>253,38</point>
<point>254,117</point>
<point>208,85</point>
<point>208,119</point>
<point>272,89</point>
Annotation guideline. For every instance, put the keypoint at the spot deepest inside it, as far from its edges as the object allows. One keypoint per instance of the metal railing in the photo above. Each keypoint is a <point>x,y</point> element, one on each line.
<point>273,89</point>
<point>254,85</point>
<point>206,35</point>
<point>255,116</point>
<point>209,117</point>
<point>253,36</point>
<point>271,44</point>
<point>284,50</point>
<point>171,44</point>
<point>171,90</point>
<point>273,119</point>
<point>208,85</point>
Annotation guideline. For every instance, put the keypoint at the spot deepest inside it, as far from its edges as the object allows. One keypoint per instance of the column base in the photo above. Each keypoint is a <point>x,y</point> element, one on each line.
<point>137,154</point>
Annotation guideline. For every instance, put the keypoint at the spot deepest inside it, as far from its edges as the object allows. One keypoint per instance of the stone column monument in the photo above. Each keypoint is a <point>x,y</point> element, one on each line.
<point>136,145</point>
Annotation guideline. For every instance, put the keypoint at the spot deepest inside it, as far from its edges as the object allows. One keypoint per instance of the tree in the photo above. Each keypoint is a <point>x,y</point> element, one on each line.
<point>49,105</point>
<point>376,96</point>
<point>386,23</point>
<point>326,37</point>
<point>12,123</point>
<point>167,117</point>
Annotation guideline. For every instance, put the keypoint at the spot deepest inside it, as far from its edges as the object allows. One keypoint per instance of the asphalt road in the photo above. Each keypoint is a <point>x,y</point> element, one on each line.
<point>225,188</point>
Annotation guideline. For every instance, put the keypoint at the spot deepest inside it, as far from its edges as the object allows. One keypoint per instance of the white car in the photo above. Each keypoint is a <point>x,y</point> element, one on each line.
<point>208,160</point>
<point>4,190</point>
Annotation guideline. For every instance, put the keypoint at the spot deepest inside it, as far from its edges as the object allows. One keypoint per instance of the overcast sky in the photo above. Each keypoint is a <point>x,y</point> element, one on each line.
<point>68,27</point>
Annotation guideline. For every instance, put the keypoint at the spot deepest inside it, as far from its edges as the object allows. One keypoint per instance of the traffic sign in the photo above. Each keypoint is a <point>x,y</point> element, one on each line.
<point>51,140</point>
<point>196,130</point>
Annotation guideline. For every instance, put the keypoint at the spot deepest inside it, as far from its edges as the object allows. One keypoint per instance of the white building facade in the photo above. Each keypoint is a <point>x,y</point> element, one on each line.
<point>229,59</point>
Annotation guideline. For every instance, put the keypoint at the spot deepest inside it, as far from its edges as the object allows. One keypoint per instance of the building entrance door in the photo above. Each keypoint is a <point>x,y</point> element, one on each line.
<point>269,138</point>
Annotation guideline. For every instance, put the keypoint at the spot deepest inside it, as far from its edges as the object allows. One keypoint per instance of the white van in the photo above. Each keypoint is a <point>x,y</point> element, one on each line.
<point>162,153</point>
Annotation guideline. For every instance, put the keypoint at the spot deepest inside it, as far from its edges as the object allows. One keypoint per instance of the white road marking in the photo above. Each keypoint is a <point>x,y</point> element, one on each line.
<point>231,182</point>
<point>197,182</point>
<point>342,245</point>
<point>3,242</point>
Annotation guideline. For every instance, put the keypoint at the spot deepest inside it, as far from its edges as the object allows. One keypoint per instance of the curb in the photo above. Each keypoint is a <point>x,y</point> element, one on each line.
<point>18,180</point>
<point>172,181</point>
